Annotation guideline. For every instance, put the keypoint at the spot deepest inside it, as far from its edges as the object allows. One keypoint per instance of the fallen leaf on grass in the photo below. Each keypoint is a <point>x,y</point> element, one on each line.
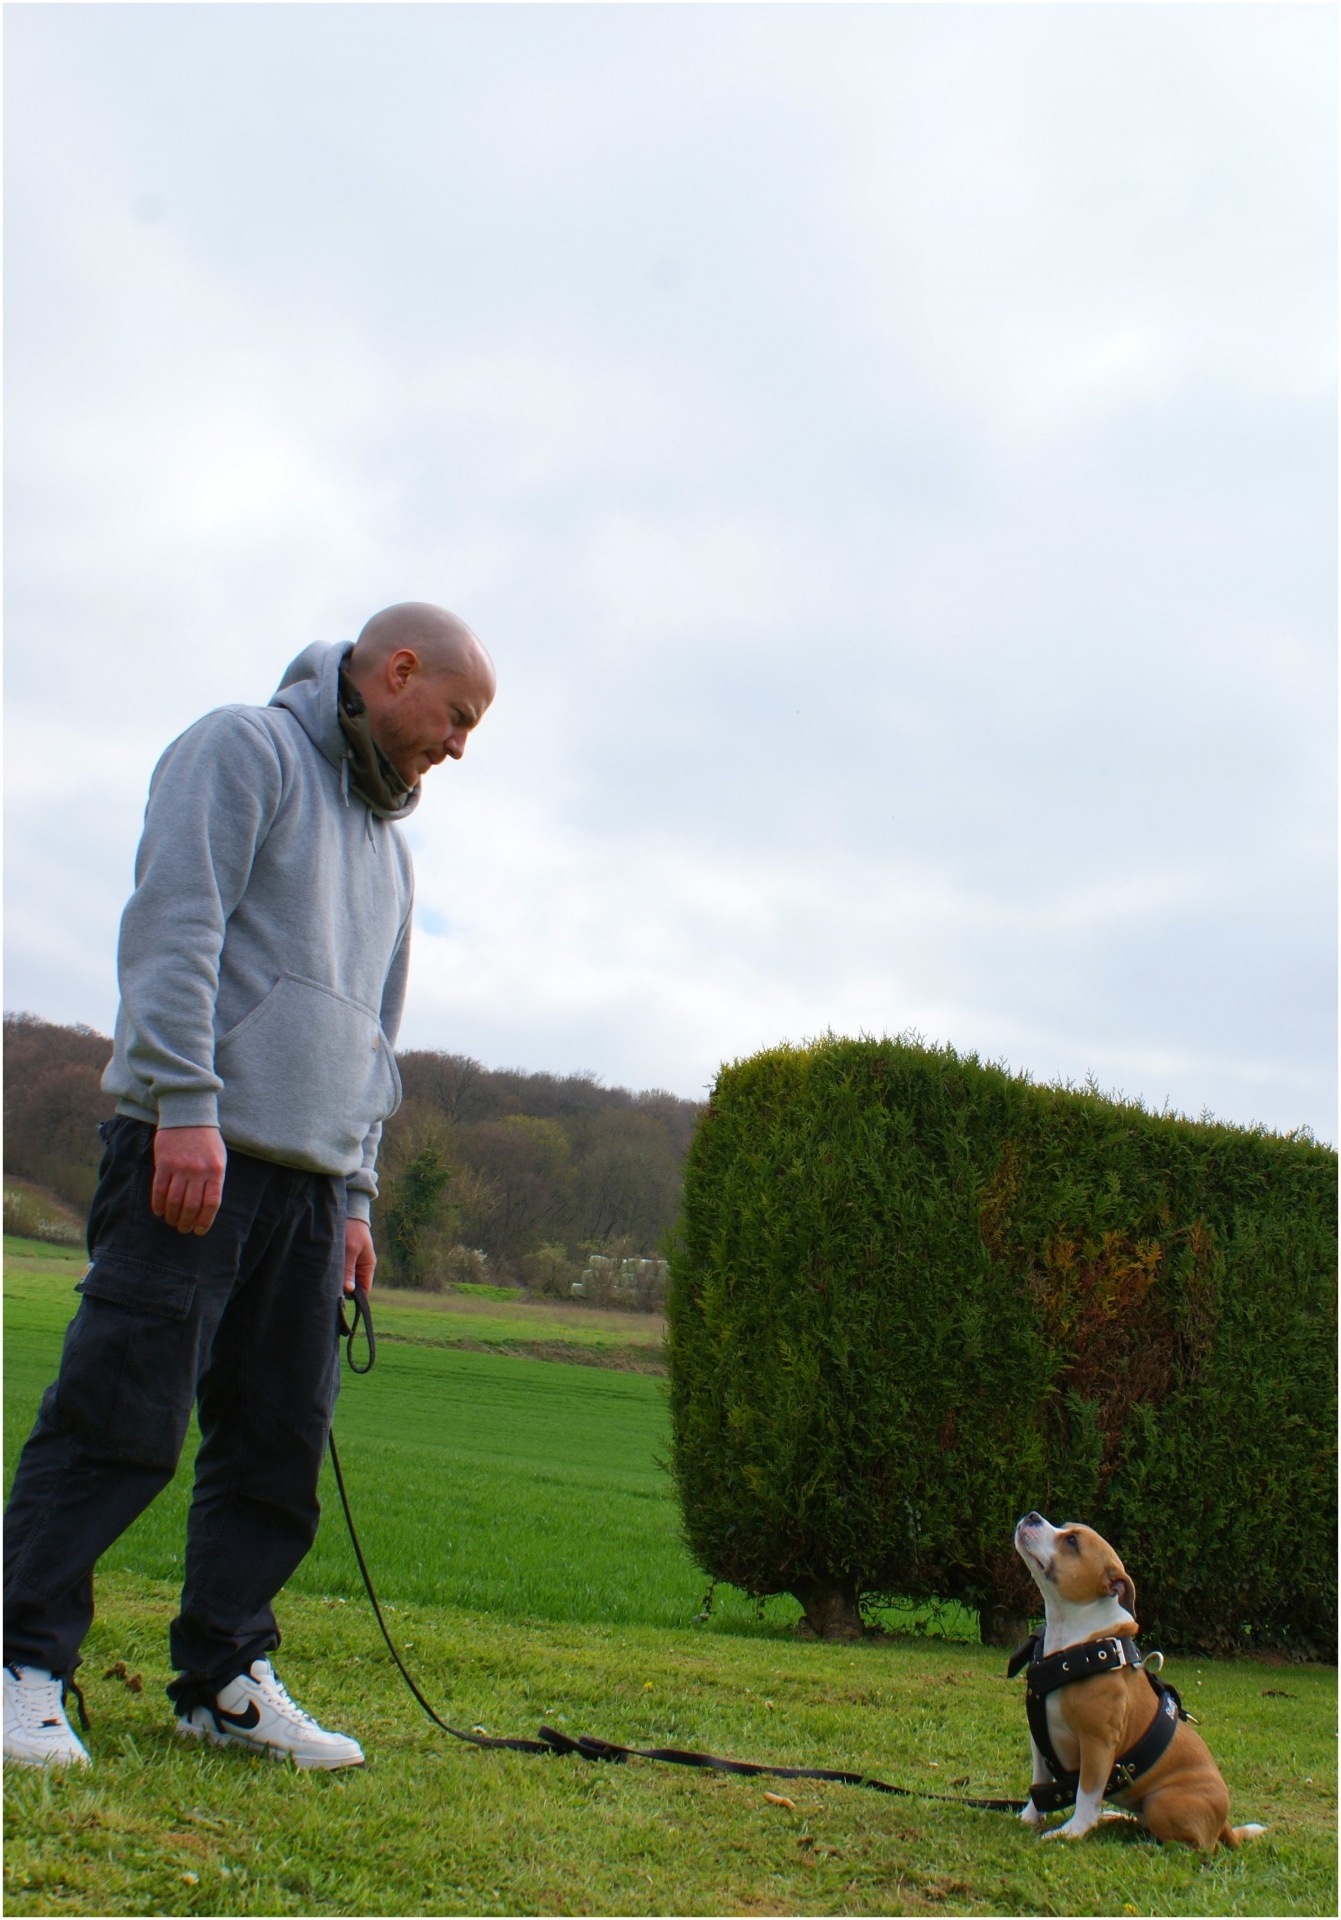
<point>780,1800</point>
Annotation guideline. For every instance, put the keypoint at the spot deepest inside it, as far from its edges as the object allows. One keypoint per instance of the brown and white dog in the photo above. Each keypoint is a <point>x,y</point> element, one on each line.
<point>1087,1595</point>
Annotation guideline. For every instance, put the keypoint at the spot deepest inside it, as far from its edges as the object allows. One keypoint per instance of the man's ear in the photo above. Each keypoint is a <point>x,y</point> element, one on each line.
<point>401,667</point>
<point>1124,1590</point>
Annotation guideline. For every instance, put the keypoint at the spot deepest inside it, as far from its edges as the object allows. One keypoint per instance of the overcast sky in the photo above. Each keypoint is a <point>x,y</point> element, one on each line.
<point>889,450</point>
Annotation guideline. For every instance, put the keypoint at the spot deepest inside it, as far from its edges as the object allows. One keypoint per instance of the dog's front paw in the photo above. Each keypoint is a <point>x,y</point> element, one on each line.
<point>1030,1815</point>
<point>1067,1831</point>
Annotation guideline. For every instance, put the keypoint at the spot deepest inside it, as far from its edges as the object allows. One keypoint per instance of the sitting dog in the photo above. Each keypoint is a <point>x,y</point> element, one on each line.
<point>1101,1726</point>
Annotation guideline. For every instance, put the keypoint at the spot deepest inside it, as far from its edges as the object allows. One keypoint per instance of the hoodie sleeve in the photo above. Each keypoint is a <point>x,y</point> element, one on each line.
<point>212,800</point>
<point>361,1186</point>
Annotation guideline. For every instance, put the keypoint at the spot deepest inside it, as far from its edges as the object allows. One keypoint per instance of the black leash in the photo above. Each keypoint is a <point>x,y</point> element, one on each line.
<point>550,1740</point>
<point>358,1300</point>
<point>475,1739</point>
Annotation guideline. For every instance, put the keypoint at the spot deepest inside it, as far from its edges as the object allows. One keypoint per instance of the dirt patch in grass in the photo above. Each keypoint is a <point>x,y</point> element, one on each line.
<point>642,1359</point>
<point>642,1327</point>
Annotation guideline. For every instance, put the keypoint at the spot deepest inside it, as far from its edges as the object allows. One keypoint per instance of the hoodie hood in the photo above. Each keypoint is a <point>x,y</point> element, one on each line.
<point>310,690</point>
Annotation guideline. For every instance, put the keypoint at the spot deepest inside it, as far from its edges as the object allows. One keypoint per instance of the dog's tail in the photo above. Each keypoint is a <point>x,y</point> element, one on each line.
<point>1235,1836</point>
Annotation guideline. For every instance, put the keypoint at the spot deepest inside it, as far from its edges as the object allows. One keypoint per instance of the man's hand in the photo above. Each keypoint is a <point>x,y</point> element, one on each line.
<point>189,1164</point>
<point>360,1256</point>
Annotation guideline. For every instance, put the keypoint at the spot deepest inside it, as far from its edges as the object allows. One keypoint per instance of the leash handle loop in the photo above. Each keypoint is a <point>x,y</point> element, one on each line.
<point>362,1310</point>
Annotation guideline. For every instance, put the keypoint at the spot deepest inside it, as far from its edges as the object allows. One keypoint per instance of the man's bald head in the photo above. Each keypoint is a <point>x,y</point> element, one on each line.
<point>442,643</point>
<point>426,681</point>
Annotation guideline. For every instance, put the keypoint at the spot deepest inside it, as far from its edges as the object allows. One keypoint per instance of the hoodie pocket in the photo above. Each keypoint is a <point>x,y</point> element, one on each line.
<point>306,1074</point>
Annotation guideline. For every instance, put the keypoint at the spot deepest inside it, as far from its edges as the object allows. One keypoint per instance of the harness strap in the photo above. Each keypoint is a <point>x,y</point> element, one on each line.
<point>1140,1758</point>
<point>1047,1673</point>
<point>1022,1655</point>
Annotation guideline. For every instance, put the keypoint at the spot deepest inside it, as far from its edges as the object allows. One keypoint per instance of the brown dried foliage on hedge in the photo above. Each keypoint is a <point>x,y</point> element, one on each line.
<point>914,1296</point>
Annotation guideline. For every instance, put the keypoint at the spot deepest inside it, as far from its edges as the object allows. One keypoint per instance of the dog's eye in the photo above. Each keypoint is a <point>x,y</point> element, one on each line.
<point>1072,1540</point>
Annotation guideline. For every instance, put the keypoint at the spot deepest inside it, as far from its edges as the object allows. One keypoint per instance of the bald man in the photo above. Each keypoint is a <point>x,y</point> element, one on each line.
<point>262,966</point>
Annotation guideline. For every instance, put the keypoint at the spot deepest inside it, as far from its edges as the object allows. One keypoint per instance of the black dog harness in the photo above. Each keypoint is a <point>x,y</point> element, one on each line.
<point>1047,1672</point>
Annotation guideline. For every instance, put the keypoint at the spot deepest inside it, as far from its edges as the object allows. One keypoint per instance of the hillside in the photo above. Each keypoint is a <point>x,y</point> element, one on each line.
<point>486,1173</point>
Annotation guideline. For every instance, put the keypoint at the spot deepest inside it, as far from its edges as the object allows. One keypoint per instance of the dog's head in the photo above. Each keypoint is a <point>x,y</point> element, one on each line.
<point>1073,1563</point>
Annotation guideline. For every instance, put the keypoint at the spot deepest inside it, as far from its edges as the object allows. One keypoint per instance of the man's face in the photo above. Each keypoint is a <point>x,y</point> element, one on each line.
<point>430,719</point>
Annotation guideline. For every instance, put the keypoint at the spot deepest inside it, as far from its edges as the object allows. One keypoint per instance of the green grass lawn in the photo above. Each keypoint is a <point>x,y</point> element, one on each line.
<point>551,1330</point>
<point>478,1479</point>
<point>518,1523</point>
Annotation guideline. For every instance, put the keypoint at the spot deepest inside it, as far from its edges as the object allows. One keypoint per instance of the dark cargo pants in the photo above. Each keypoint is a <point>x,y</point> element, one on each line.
<point>241,1320</point>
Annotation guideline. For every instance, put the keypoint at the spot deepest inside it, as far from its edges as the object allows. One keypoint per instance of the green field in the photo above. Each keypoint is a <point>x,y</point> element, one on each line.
<point>478,1479</point>
<point>520,1526</point>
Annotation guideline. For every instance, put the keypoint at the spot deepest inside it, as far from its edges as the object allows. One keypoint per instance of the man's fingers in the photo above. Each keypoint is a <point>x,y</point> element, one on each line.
<point>359,1266</point>
<point>189,1168</point>
<point>189,1202</point>
<point>360,1256</point>
<point>184,1196</point>
<point>209,1207</point>
<point>174,1192</point>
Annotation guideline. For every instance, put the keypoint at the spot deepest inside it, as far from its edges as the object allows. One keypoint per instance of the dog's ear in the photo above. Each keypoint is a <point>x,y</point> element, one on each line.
<point>1123,1589</point>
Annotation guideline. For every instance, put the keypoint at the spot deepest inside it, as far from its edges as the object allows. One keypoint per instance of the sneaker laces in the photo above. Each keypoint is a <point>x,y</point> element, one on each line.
<point>278,1696</point>
<point>41,1703</point>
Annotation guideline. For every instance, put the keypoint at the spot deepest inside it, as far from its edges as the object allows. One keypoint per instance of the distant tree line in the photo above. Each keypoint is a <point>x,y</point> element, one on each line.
<point>525,1178</point>
<point>539,1174</point>
<point>53,1104</point>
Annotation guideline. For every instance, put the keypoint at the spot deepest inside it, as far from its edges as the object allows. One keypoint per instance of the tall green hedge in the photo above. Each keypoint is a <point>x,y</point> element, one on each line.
<point>914,1296</point>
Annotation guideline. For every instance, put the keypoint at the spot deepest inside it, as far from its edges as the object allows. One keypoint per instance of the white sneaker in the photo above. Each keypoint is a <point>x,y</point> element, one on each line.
<point>37,1733</point>
<point>254,1711</point>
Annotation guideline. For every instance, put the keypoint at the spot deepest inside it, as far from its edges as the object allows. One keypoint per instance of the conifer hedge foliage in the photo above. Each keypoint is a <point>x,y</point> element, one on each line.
<point>914,1296</point>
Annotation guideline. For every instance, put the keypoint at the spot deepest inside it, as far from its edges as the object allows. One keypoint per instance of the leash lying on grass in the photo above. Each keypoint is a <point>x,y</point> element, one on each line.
<point>550,1740</point>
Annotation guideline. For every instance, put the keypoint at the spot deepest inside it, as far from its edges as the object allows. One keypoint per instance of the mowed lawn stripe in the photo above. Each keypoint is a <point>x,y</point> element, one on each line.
<point>479,1481</point>
<point>509,1486</point>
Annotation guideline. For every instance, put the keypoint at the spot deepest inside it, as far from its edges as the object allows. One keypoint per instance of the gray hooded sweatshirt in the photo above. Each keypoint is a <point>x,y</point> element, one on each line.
<point>263,954</point>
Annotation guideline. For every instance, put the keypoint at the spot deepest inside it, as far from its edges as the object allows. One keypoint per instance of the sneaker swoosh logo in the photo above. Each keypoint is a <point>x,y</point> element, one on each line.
<point>244,1722</point>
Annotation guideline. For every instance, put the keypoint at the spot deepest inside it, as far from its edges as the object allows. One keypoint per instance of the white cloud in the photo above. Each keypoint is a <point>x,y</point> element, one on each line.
<point>889,450</point>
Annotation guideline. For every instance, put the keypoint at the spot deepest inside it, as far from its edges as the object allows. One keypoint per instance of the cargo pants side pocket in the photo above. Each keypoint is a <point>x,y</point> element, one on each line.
<point>127,1380</point>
